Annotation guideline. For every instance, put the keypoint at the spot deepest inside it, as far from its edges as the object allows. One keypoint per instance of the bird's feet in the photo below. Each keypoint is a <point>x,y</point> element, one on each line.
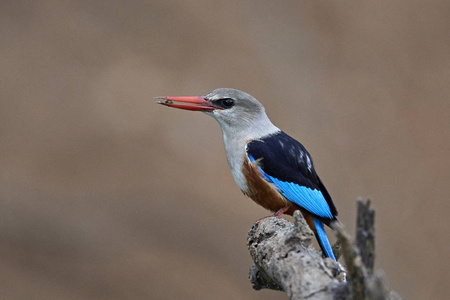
<point>277,214</point>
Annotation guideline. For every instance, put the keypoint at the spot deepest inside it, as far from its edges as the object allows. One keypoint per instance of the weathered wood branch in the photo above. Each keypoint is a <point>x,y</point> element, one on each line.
<point>286,260</point>
<point>365,234</point>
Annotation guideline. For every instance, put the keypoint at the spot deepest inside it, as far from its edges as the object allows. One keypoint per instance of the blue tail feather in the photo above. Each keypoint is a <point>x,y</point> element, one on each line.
<point>323,240</point>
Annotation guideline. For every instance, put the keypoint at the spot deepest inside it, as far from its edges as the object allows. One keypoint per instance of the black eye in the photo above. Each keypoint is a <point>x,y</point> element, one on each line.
<point>227,102</point>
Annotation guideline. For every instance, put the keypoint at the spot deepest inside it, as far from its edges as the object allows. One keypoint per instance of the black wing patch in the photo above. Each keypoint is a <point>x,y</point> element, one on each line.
<point>284,158</point>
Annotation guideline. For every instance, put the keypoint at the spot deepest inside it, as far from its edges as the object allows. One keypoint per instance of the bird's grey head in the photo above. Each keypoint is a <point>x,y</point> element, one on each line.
<point>237,112</point>
<point>234,107</point>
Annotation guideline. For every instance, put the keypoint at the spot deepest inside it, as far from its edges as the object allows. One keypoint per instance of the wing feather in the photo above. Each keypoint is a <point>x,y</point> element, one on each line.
<point>286,164</point>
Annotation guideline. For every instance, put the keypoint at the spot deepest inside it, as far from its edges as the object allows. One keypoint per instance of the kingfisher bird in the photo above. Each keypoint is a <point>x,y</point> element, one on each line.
<point>269,166</point>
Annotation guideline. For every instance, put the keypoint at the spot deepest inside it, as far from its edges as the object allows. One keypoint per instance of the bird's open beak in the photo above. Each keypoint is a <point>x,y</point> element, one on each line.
<point>196,103</point>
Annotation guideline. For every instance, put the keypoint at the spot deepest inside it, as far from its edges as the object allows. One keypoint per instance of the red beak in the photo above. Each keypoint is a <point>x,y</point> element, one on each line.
<point>199,103</point>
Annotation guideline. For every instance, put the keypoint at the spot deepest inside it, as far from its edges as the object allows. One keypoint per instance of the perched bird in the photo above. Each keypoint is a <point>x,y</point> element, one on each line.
<point>268,165</point>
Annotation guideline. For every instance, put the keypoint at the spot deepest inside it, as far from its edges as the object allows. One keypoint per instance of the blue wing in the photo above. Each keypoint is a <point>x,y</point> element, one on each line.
<point>310,199</point>
<point>285,163</point>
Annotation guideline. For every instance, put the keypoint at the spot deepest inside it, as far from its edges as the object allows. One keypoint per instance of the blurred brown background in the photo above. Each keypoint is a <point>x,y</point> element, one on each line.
<point>105,195</point>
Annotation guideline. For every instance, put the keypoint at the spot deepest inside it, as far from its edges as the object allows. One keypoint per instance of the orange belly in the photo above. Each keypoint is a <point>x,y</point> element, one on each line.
<point>266,195</point>
<point>263,192</point>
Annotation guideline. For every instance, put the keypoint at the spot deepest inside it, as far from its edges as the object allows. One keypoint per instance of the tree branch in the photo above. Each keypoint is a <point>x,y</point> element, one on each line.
<point>365,234</point>
<point>285,259</point>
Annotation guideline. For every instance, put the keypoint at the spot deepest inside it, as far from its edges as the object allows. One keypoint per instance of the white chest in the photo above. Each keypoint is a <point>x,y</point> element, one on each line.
<point>236,136</point>
<point>235,150</point>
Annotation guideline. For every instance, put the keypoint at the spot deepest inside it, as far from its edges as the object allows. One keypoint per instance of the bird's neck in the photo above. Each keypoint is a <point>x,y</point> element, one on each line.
<point>235,140</point>
<point>248,129</point>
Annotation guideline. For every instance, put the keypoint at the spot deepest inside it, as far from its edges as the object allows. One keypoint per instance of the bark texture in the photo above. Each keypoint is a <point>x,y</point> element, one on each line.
<point>285,259</point>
